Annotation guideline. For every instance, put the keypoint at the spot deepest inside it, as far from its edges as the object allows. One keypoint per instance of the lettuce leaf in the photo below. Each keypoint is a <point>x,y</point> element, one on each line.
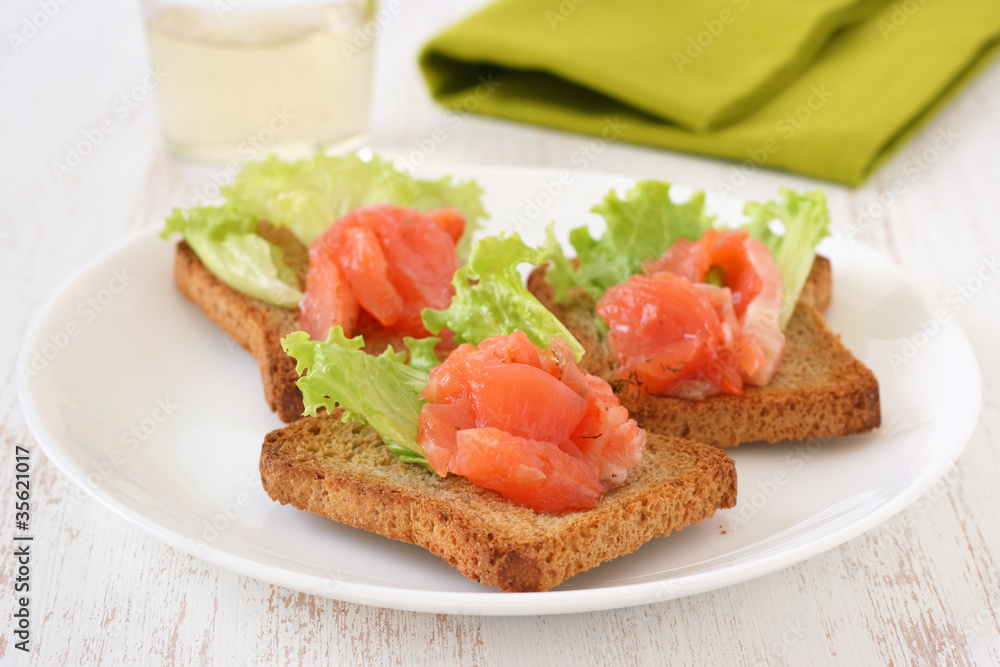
<point>646,222</point>
<point>422,355</point>
<point>642,225</point>
<point>381,391</point>
<point>308,196</point>
<point>804,220</point>
<point>226,241</point>
<point>560,273</point>
<point>491,298</point>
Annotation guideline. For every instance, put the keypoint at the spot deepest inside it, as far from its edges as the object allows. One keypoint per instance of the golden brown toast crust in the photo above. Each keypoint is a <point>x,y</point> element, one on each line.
<point>258,328</point>
<point>344,472</point>
<point>819,389</point>
<point>818,289</point>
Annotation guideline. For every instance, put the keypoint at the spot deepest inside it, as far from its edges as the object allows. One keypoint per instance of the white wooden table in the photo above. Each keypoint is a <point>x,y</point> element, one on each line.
<point>923,588</point>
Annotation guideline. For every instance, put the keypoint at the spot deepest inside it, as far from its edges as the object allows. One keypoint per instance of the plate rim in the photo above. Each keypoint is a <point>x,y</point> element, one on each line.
<point>489,602</point>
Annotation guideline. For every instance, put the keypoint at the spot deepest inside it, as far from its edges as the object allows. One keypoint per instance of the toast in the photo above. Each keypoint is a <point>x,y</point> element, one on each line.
<point>819,389</point>
<point>258,327</point>
<point>342,470</point>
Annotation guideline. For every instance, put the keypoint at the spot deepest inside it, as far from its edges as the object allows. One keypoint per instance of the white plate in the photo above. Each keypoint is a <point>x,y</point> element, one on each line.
<point>139,399</point>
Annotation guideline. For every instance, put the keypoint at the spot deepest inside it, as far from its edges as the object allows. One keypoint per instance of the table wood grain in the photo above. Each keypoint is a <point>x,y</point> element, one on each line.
<point>922,589</point>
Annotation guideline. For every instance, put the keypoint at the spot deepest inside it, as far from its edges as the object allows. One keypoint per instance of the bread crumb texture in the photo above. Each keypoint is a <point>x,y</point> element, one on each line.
<point>343,471</point>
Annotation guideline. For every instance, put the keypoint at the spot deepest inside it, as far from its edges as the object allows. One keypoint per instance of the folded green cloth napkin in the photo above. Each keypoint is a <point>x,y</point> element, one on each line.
<point>827,88</point>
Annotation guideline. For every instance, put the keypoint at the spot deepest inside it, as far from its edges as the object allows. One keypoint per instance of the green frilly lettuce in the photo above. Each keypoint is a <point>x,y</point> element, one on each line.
<point>491,298</point>
<point>804,221</point>
<point>226,241</point>
<point>310,195</point>
<point>306,196</point>
<point>642,225</point>
<point>388,398</point>
<point>647,221</point>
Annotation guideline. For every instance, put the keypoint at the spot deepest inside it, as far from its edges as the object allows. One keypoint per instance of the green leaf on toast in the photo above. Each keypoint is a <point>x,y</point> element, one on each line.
<point>642,225</point>
<point>422,355</point>
<point>804,221</point>
<point>387,399</point>
<point>308,196</point>
<point>227,243</point>
<point>491,298</point>
<point>647,221</point>
<point>560,273</point>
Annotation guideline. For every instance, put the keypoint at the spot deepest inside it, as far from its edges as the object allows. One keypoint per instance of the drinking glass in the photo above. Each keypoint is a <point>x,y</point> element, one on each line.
<point>239,79</point>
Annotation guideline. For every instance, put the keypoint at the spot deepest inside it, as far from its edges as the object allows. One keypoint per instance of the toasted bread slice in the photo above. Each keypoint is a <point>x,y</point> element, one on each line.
<point>258,327</point>
<point>818,289</point>
<point>819,389</point>
<point>344,472</point>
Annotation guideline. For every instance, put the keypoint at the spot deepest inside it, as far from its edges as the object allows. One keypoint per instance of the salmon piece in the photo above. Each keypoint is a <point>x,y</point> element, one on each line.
<point>451,220</point>
<point>328,299</point>
<point>422,263</point>
<point>668,339</point>
<point>749,271</point>
<point>527,472</point>
<point>673,334</point>
<point>439,425</point>
<point>605,435</point>
<point>735,339</point>
<point>762,318</point>
<point>395,262</point>
<point>527,423</point>
<point>364,266</point>
<point>725,250</point>
<point>524,400</point>
<point>688,259</point>
<point>730,252</point>
<point>517,348</point>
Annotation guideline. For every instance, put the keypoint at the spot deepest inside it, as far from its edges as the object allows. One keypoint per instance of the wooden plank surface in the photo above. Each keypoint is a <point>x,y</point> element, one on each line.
<point>924,588</point>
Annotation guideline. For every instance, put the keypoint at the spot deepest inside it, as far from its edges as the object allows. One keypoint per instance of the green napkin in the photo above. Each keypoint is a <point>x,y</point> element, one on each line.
<point>828,88</point>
